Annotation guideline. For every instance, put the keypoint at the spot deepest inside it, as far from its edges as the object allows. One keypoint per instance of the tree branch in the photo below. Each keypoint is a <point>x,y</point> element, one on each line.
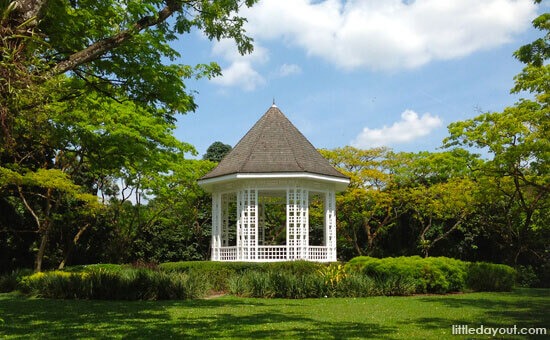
<point>29,208</point>
<point>28,11</point>
<point>98,48</point>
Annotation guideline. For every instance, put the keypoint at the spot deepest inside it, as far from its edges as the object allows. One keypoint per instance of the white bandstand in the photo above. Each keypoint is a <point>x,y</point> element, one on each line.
<point>272,167</point>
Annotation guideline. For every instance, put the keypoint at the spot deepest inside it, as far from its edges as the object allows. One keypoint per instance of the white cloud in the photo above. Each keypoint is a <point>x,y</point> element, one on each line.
<point>241,74</point>
<point>240,71</point>
<point>390,34</point>
<point>289,69</point>
<point>371,34</point>
<point>409,128</point>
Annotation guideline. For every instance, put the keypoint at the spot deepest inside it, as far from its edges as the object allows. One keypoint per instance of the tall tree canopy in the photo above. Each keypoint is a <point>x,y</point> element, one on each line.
<point>88,96</point>
<point>217,151</point>
<point>516,178</point>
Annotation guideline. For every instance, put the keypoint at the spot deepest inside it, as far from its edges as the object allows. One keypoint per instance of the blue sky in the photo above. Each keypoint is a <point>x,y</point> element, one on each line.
<point>362,73</point>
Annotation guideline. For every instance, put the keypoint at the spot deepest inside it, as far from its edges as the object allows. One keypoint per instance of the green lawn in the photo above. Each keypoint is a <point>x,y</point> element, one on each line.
<point>417,317</point>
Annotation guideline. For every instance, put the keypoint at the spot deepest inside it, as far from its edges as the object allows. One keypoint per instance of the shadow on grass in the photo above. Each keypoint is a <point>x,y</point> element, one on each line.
<point>524,308</point>
<point>43,318</point>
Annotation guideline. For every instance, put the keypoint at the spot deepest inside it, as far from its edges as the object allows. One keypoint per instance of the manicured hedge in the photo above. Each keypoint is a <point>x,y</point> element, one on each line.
<point>287,280</point>
<point>219,274</point>
<point>437,274</point>
<point>123,284</point>
<point>491,277</point>
<point>362,276</point>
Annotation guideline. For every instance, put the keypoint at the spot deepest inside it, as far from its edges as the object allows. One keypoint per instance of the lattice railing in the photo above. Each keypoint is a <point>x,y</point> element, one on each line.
<point>273,253</point>
<point>227,254</point>
<point>318,253</point>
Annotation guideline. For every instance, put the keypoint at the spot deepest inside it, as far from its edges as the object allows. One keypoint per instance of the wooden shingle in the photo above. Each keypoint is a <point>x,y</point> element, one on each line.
<point>273,145</point>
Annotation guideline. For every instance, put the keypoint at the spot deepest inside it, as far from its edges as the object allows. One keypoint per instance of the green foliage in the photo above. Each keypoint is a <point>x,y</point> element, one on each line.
<point>369,208</point>
<point>218,275</point>
<point>221,275</point>
<point>10,281</point>
<point>490,277</point>
<point>332,274</point>
<point>258,284</point>
<point>88,105</point>
<point>327,281</point>
<point>119,284</point>
<point>356,285</point>
<point>363,276</point>
<point>293,267</point>
<point>278,284</point>
<point>434,274</point>
<point>526,277</point>
<point>217,151</point>
<point>514,182</point>
<point>396,285</point>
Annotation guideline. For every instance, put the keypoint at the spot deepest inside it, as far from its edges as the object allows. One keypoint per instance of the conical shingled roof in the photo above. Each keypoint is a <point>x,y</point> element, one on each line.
<point>274,145</point>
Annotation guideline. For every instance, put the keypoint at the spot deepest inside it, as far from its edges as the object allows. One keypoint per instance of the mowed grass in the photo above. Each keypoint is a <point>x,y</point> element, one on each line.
<point>418,317</point>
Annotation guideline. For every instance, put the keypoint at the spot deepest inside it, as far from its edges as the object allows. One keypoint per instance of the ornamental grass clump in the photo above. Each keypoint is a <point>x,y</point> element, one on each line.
<point>355,285</point>
<point>125,284</point>
<point>54,284</point>
<point>492,277</point>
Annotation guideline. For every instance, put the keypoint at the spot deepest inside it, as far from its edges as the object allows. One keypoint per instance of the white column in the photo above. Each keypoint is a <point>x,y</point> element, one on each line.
<point>304,225</point>
<point>330,225</point>
<point>247,224</point>
<point>216,226</point>
<point>297,218</point>
<point>226,200</point>
<point>261,223</point>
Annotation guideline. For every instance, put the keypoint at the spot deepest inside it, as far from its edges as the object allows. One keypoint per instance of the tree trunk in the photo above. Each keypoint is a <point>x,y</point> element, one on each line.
<point>426,252</point>
<point>72,244</point>
<point>41,251</point>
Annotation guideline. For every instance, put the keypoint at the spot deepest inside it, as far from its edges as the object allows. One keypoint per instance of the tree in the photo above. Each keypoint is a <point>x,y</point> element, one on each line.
<point>515,179</point>
<point>440,209</point>
<point>56,189</point>
<point>368,208</point>
<point>114,48</point>
<point>176,222</point>
<point>217,151</point>
<point>436,191</point>
<point>86,93</point>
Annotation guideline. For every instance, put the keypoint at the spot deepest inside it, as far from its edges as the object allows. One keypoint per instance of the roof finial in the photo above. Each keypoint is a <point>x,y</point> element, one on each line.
<point>273,103</point>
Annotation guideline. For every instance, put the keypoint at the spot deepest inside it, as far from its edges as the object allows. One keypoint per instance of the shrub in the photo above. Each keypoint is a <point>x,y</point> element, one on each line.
<point>526,277</point>
<point>10,282</point>
<point>332,274</point>
<point>396,285</point>
<point>258,284</point>
<point>390,272</point>
<point>297,286</point>
<point>484,276</point>
<point>126,284</point>
<point>278,284</point>
<point>355,285</point>
<point>91,267</point>
<point>432,274</point>
<point>216,274</point>
<point>293,267</point>
<point>55,284</point>
<point>537,276</point>
<point>220,275</point>
<point>543,273</point>
<point>237,285</point>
